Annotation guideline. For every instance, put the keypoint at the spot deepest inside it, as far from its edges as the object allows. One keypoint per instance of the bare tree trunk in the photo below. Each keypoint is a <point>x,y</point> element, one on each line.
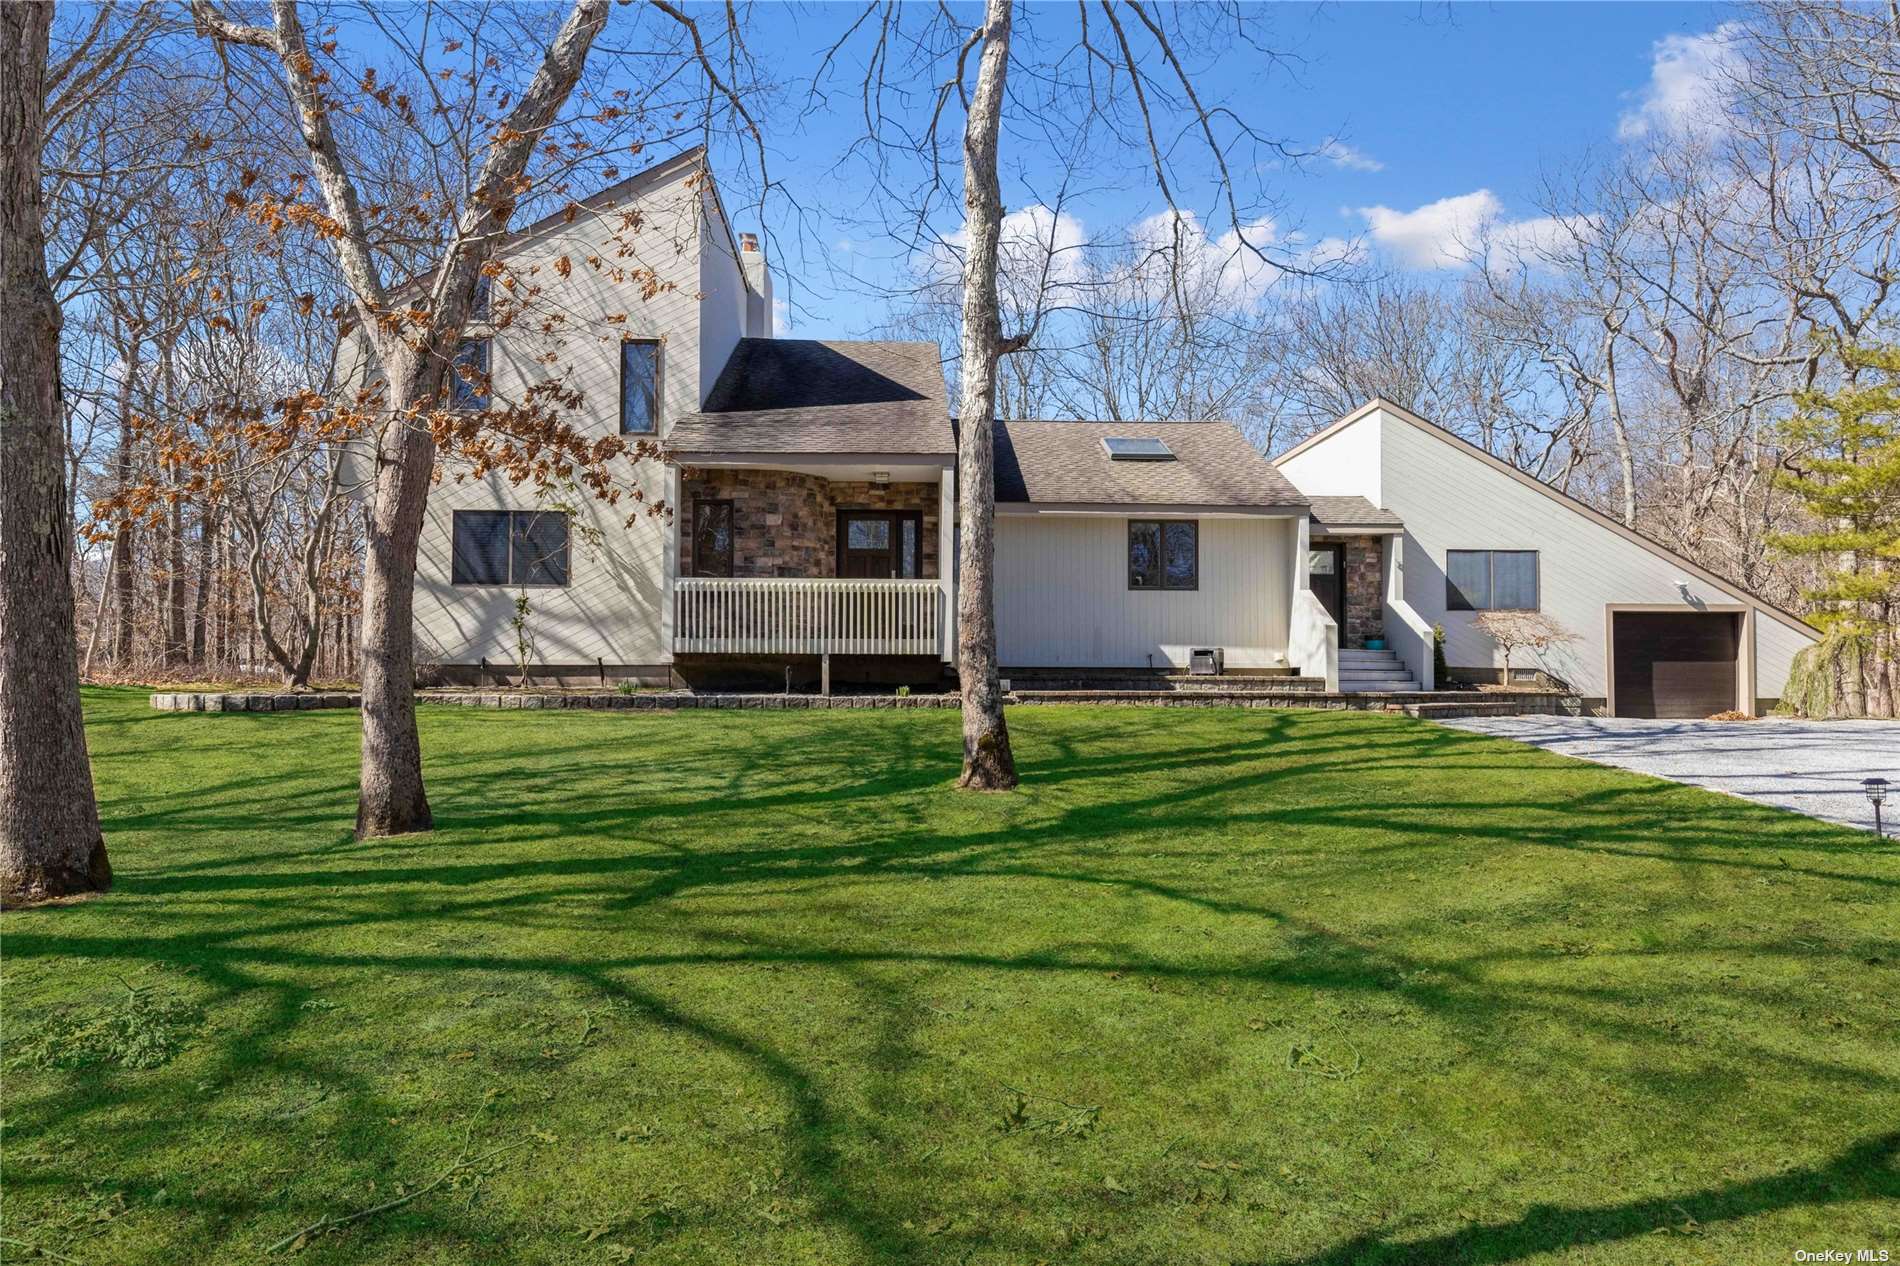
<point>208,519</point>
<point>125,595</point>
<point>174,593</point>
<point>98,616</point>
<point>1619,430</point>
<point>988,764</point>
<point>50,841</point>
<point>390,796</point>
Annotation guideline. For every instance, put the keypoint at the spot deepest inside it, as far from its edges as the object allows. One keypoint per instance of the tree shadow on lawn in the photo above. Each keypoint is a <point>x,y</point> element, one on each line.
<point>1263,785</point>
<point>1866,1170</point>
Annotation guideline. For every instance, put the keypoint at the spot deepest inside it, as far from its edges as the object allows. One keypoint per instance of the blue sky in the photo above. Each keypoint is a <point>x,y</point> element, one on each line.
<point>1431,107</point>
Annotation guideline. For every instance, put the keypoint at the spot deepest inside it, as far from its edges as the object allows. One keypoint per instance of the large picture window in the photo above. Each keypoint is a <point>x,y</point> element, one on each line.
<point>510,547</point>
<point>712,538</point>
<point>468,376</point>
<point>1164,554</point>
<point>639,387</point>
<point>1491,580</point>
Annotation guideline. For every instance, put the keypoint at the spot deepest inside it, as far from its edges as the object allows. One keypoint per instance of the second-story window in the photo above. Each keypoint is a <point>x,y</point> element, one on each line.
<point>640,387</point>
<point>468,375</point>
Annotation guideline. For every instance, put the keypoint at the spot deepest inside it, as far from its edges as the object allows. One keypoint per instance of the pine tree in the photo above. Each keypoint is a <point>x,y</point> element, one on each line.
<point>1847,474</point>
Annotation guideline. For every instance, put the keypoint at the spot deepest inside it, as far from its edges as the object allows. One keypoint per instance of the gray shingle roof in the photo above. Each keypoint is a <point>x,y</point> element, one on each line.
<point>1352,512</point>
<point>1064,463</point>
<point>811,396</point>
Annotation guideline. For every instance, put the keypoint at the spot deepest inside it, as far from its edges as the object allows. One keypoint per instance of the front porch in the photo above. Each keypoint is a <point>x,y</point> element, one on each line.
<point>780,567</point>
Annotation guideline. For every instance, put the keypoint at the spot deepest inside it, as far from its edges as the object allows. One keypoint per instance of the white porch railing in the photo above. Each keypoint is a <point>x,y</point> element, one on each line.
<point>806,617</point>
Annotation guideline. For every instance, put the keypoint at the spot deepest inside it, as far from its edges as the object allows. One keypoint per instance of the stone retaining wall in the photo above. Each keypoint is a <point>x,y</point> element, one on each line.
<point>1416,704</point>
<point>276,702</point>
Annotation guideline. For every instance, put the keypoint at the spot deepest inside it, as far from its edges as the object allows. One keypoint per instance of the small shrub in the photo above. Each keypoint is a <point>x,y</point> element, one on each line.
<point>143,1029</point>
<point>625,687</point>
<point>903,692</point>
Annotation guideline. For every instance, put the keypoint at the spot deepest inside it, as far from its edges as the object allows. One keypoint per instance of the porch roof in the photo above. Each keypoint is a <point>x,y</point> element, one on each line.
<point>807,396</point>
<point>1344,514</point>
<point>1066,463</point>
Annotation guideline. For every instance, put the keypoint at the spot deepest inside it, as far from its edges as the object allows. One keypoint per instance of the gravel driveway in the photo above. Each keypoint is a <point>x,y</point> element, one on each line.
<point>1808,766</point>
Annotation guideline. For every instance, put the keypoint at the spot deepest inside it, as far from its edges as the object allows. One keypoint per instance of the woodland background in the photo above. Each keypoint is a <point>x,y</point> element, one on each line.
<point>1670,340</point>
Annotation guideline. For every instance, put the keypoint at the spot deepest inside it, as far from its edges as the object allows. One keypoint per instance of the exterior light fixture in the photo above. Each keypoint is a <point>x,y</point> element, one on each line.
<point>1876,789</point>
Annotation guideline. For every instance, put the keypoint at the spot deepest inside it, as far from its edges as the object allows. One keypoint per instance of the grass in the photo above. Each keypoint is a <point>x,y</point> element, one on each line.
<point>1253,987</point>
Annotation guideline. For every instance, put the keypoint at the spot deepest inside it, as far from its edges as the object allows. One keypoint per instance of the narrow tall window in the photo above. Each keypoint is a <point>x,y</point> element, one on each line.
<point>639,387</point>
<point>1491,580</point>
<point>468,375</point>
<point>1164,554</point>
<point>712,538</point>
<point>509,547</point>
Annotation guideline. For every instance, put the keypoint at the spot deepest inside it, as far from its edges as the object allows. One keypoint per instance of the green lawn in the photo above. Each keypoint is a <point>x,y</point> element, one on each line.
<point>760,988</point>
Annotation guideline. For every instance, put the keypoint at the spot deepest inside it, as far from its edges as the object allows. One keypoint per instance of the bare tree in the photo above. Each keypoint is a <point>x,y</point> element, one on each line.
<point>51,843</point>
<point>988,763</point>
<point>413,362</point>
<point>1117,84</point>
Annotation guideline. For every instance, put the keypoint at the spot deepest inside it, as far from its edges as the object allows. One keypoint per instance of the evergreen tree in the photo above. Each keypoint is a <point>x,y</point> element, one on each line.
<point>1847,474</point>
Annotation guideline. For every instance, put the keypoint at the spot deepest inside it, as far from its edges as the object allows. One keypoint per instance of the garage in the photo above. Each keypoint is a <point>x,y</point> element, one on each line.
<point>1674,664</point>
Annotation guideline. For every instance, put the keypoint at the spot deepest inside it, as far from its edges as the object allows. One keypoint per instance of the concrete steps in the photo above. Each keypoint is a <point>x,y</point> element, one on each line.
<point>1361,671</point>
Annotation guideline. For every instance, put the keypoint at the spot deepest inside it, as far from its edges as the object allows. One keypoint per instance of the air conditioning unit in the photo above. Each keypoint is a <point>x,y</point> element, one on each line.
<point>1206,661</point>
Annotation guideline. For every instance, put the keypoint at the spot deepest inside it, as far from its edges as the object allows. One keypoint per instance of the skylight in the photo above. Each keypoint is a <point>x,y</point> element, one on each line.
<point>1136,449</point>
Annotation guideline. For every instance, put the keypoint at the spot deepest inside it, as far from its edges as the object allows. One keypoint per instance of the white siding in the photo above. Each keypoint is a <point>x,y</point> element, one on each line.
<point>611,609</point>
<point>1062,596</point>
<point>1451,499</point>
<point>722,306</point>
<point>1345,464</point>
<point>1776,645</point>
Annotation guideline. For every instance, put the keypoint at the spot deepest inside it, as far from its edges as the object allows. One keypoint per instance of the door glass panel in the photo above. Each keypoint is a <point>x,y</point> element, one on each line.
<point>867,534</point>
<point>909,563</point>
<point>1320,561</point>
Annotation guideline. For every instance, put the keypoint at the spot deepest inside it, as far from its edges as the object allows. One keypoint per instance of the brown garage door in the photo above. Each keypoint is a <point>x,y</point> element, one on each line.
<point>1673,665</point>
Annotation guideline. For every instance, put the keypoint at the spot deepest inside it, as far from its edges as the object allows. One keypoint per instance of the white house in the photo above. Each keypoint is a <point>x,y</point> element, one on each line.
<point>1656,634</point>
<point>810,502</point>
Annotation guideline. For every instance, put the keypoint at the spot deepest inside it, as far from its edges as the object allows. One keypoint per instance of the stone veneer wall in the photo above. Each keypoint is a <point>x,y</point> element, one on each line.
<point>786,524</point>
<point>1365,589</point>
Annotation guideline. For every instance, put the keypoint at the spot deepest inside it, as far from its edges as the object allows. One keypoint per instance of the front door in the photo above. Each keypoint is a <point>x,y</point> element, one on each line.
<point>879,544</point>
<point>1327,561</point>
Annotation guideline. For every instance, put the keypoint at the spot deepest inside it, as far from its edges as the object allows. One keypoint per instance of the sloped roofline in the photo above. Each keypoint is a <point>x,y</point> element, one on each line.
<point>1458,442</point>
<point>601,199</point>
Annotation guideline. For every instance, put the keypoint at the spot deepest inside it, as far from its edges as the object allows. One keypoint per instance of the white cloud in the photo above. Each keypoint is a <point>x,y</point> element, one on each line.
<point>1687,90</point>
<point>1048,260</point>
<point>1342,155</point>
<point>1439,234</point>
<point>1449,233</point>
<point>1229,267</point>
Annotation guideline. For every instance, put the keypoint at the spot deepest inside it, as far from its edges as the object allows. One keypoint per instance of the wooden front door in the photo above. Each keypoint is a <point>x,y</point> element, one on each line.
<point>880,544</point>
<point>1327,562</point>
